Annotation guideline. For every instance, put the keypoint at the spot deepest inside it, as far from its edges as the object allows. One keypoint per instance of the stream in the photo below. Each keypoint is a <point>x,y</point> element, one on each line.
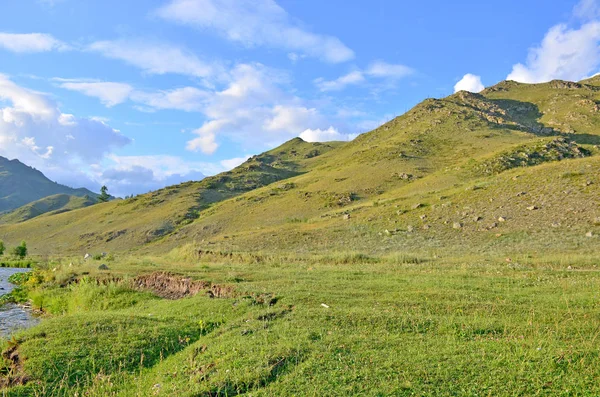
<point>12,317</point>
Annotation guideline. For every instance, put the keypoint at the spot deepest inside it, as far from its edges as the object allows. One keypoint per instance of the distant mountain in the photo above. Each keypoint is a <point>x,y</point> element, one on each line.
<point>21,185</point>
<point>51,205</point>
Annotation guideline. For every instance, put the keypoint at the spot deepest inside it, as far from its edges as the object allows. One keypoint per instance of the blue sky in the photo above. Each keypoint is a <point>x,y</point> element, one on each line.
<point>140,94</point>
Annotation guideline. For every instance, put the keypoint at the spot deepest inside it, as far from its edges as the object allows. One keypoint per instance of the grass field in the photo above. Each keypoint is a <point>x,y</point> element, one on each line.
<point>336,325</point>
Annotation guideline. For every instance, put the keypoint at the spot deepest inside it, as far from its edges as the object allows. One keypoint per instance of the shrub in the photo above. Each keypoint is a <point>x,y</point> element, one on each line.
<point>2,248</point>
<point>20,251</point>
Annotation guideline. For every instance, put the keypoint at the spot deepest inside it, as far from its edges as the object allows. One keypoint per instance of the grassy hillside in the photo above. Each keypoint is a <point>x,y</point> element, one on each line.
<point>21,185</point>
<point>456,174</point>
<point>50,205</point>
<point>144,219</point>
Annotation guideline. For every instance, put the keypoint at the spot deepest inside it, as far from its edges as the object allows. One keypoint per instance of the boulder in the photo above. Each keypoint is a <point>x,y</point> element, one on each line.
<point>103,267</point>
<point>87,256</point>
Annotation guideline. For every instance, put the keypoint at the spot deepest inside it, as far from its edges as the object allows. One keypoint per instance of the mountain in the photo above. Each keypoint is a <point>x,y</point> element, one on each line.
<point>50,205</point>
<point>512,169</point>
<point>21,185</point>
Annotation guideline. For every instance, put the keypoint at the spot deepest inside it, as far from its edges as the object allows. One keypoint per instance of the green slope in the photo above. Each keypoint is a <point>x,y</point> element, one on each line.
<point>125,224</point>
<point>414,184</point>
<point>21,184</point>
<point>50,205</point>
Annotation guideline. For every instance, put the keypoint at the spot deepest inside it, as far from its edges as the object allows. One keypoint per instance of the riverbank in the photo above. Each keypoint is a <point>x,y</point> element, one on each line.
<point>359,326</point>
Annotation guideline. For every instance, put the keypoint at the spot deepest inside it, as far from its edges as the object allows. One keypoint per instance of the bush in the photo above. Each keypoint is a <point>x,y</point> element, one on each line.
<point>2,248</point>
<point>21,250</point>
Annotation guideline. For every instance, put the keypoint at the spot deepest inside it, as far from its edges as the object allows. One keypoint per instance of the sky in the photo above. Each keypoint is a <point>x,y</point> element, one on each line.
<point>141,94</point>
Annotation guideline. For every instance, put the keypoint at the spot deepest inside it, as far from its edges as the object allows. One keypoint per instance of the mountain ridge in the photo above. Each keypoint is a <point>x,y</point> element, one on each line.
<point>387,190</point>
<point>21,184</point>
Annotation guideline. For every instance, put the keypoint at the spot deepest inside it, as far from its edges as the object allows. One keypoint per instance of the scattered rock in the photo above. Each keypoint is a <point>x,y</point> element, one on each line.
<point>103,267</point>
<point>532,208</point>
<point>325,305</point>
<point>501,219</point>
<point>346,216</point>
<point>555,224</point>
<point>410,229</point>
<point>589,234</point>
<point>457,225</point>
<point>87,256</point>
<point>423,217</point>
<point>521,194</point>
<point>477,218</point>
<point>417,206</point>
<point>426,227</point>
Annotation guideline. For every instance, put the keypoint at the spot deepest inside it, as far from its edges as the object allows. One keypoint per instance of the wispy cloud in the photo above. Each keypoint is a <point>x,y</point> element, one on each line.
<point>154,58</point>
<point>31,42</point>
<point>340,83</point>
<point>377,69</point>
<point>109,93</point>
<point>256,23</point>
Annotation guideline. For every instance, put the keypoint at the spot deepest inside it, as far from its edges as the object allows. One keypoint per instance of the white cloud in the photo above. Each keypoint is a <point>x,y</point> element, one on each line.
<point>292,118</point>
<point>252,108</point>
<point>340,83</point>
<point>109,93</point>
<point>189,99</point>
<point>206,141</point>
<point>30,42</point>
<point>140,174</point>
<point>587,10</point>
<point>234,162</point>
<point>256,23</point>
<point>155,58</point>
<point>330,134</point>
<point>377,69</point>
<point>387,70</point>
<point>566,54</point>
<point>469,82</point>
<point>34,130</point>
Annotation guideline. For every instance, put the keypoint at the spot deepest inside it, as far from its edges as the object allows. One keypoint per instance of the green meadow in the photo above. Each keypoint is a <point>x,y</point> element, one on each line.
<point>331,325</point>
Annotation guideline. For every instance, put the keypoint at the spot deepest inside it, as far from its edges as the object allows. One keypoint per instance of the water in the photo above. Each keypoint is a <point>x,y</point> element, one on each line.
<point>12,317</point>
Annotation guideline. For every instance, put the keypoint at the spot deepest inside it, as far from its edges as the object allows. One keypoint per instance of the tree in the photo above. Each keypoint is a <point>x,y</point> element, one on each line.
<point>21,250</point>
<point>2,248</point>
<point>104,196</point>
